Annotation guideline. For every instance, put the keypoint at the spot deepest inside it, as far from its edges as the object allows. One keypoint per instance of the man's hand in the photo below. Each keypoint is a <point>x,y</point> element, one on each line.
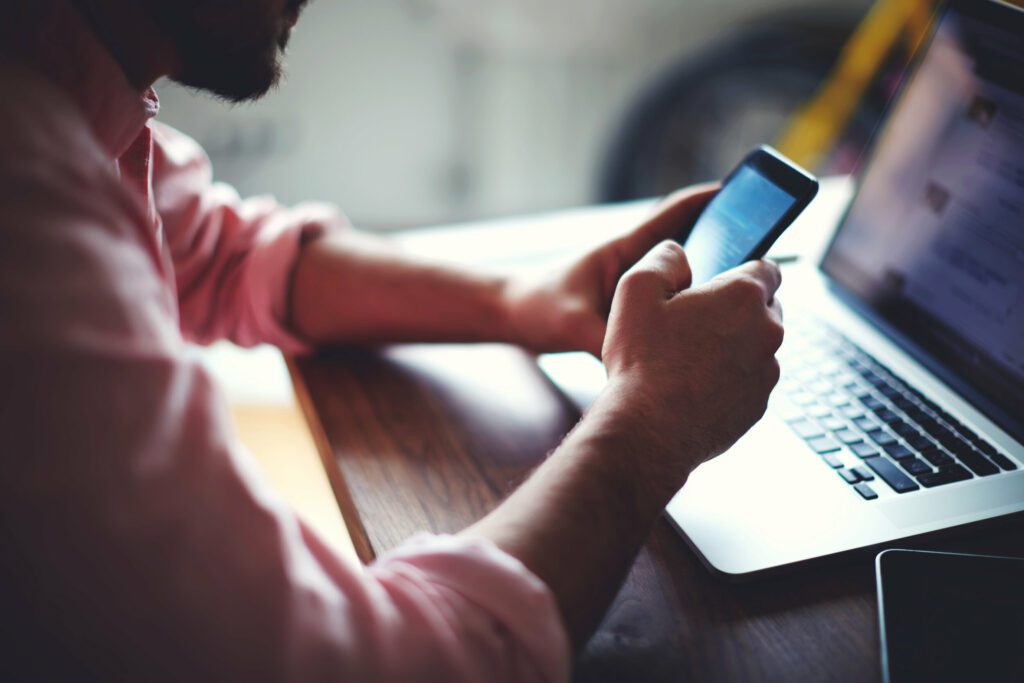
<point>694,366</point>
<point>689,371</point>
<point>568,310</point>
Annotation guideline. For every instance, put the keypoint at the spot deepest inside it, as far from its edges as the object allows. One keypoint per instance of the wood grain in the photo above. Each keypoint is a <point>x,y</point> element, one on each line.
<point>432,438</point>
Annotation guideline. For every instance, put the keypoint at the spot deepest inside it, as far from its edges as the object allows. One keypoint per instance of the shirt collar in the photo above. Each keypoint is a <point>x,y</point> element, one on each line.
<point>59,42</point>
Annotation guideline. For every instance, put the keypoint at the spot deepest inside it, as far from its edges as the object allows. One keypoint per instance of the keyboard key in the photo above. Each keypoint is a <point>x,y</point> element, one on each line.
<point>806,429</point>
<point>875,380</point>
<point>1001,460</point>
<point>836,399</point>
<point>975,461</point>
<point>916,414</point>
<point>872,403</point>
<point>937,456</point>
<point>916,466</point>
<point>947,438</point>
<point>830,369</point>
<point>817,410</point>
<point>888,417</point>
<point>903,403</point>
<point>891,475</point>
<point>832,423</point>
<point>902,428</point>
<point>860,393</point>
<point>880,437</point>
<point>823,444</point>
<point>920,442</point>
<point>848,436</point>
<point>864,473</point>
<point>865,491</point>
<point>891,392</point>
<point>849,476</point>
<point>898,451</point>
<point>965,432</point>
<point>851,412</point>
<point>946,475</point>
<point>831,460</point>
<point>864,450</point>
<point>866,423</point>
<point>992,454</point>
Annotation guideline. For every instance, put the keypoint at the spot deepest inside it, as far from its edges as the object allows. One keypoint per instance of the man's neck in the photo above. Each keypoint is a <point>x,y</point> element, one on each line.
<point>128,31</point>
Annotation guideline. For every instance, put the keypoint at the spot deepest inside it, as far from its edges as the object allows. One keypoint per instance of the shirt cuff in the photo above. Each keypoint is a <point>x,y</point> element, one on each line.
<point>270,272</point>
<point>499,585</point>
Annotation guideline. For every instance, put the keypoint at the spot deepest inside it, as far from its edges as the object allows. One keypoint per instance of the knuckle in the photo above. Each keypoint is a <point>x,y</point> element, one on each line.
<point>767,271</point>
<point>670,255</point>
<point>640,279</point>
<point>748,290</point>
<point>776,334</point>
<point>673,248</point>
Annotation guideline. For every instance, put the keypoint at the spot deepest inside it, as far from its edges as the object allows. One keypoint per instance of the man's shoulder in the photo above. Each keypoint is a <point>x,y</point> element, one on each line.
<point>39,122</point>
<point>59,192</point>
<point>50,158</point>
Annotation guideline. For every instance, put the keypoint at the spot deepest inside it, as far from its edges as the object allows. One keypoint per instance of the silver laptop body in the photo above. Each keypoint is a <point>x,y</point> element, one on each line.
<point>904,351</point>
<point>916,309</point>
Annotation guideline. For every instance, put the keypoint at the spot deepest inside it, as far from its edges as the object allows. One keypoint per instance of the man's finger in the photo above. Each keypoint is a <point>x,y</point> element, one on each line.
<point>775,309</point>
<point>663,271</point>
<point>591,335</point>
<point>673,217</point>
<point>765,272</point>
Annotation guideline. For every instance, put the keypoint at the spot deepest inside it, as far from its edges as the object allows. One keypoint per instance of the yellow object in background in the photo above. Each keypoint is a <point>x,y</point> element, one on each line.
<point>816,127</point>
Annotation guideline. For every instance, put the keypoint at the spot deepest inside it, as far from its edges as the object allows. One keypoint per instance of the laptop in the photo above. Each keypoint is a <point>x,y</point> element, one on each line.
<point>900,411</point>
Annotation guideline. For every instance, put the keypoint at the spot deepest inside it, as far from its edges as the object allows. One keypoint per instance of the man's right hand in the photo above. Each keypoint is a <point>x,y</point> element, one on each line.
<point>691,368</point>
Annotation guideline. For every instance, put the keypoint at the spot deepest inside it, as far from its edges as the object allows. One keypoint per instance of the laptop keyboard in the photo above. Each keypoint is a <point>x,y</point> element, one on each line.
<point>867,423</point>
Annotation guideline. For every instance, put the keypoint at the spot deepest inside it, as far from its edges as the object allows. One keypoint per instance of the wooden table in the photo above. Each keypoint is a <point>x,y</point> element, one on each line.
<point>432,438</point>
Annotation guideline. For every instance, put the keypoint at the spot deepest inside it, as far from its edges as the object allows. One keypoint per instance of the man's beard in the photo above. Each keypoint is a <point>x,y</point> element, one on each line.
<point>236,60</point>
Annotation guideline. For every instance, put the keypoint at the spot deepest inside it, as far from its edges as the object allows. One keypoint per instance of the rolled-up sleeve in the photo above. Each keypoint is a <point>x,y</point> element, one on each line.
<point>139,542</point>
<point>233,258</point>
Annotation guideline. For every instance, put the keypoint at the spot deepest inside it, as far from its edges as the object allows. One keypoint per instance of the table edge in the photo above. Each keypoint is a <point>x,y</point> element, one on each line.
<point>342,495</point>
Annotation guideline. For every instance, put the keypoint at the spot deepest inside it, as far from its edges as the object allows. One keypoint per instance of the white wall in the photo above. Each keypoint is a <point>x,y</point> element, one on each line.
<point>418,112</point>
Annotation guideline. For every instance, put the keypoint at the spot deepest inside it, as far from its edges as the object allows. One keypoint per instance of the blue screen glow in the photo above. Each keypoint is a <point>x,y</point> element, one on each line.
<point>734,222</point>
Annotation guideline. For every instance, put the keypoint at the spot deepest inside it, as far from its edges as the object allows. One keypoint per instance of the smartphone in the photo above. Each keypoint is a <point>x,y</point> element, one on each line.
<point>950,617</point>
<point>758,201</point>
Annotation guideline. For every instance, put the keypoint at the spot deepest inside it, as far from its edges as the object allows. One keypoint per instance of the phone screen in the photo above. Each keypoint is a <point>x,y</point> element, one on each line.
<point>747,209</point>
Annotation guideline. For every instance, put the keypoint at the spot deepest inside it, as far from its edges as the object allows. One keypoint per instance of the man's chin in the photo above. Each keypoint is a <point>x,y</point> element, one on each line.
<point>235,83</point>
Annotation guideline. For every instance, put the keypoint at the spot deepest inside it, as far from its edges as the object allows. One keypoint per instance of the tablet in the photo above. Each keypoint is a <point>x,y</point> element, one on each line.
<point>950,617</point>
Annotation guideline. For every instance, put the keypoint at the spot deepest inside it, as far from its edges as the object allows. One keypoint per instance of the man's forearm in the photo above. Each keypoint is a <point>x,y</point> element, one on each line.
<point>354,288</point>
<point>580,520</point>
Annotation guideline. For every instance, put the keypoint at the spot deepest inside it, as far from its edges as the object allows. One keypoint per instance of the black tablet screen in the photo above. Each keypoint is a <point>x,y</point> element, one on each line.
<point>948,617</point>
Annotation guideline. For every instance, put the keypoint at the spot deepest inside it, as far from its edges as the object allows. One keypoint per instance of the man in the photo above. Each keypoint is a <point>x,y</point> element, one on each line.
<point>138,542</point>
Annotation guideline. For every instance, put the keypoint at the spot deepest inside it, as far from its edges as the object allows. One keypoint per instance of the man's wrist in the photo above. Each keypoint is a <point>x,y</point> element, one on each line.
<point>638,446</point>
<point>504,290</point>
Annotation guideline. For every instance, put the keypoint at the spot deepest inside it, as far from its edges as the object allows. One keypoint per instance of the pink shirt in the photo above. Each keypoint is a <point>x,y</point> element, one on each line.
<point>138,540</point>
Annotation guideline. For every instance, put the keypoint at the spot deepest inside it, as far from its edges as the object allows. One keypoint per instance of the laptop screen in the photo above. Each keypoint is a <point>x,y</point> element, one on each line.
<point>933,243</point>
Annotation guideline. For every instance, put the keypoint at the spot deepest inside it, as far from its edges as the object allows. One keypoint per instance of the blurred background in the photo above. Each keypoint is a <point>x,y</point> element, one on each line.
<point>410,113</point>
<point>417,112</point>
